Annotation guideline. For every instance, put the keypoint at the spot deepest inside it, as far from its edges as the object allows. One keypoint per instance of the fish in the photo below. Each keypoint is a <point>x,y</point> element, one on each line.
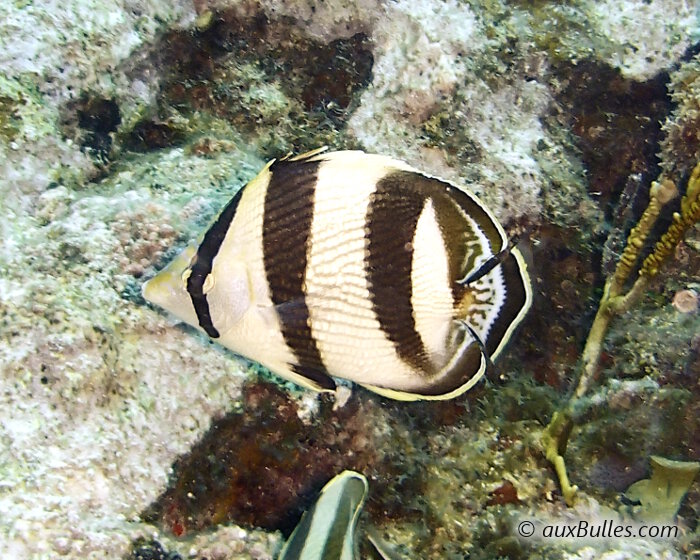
<point>327,530</point>
<point>355,266</point>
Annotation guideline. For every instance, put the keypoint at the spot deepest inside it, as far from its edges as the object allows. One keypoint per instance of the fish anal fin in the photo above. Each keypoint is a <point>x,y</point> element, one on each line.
<point>313,377</point>
<point>466,367</point>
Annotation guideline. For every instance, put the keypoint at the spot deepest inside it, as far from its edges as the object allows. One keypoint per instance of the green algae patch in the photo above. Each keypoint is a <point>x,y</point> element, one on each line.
<point>661,495</point>
<point>9,121</point>
<point>23,114</point>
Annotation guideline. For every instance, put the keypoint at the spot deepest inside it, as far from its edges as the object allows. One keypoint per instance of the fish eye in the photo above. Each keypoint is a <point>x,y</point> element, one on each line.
<point>185,275</point>
<point>208,283</point>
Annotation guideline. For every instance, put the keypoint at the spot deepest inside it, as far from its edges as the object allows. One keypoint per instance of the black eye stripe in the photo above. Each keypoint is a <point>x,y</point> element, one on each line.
<point>203,262</point>
<point>288,214</point>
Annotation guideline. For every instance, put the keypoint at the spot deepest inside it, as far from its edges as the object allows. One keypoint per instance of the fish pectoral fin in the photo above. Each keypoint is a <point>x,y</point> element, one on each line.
<point>293,313</point>
<point>268,315</point>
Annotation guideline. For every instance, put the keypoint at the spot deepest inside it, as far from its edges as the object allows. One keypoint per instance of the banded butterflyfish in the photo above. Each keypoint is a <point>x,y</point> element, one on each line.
<point>358,266</point>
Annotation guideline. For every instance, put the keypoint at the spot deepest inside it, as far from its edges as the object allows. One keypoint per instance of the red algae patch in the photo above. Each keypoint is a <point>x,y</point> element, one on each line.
<point>263,466</point>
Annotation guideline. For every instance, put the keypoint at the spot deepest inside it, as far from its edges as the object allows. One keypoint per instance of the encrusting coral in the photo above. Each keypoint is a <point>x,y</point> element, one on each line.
<point>617,300</point>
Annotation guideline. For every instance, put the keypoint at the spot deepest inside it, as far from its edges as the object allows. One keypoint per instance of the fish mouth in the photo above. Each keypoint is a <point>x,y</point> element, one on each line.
<point>167,289</point>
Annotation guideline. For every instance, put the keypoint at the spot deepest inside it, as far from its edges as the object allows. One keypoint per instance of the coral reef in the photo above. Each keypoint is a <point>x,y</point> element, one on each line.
<point>125,126</point>
<point>618,299</point>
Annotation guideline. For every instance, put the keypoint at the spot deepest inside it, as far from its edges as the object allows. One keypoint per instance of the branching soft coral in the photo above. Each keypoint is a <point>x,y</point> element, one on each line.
<point>617,300</point>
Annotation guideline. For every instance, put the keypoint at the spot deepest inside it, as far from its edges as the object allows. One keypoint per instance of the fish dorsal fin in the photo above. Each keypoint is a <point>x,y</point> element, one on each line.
<point>306,155</point>
<point>491,263</point>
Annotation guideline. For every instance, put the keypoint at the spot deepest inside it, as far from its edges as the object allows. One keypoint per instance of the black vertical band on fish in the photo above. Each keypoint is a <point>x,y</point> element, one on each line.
<point>392,218</point>
<point>288,214</point>
<point>202,266</point>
